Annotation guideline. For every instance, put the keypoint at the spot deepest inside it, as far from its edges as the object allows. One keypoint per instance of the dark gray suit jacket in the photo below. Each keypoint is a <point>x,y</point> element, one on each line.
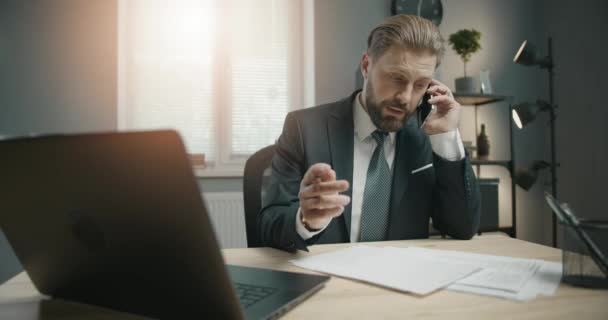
<point>447,192</point>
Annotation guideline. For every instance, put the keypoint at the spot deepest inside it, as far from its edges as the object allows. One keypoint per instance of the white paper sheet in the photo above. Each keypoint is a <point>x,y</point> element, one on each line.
<point>395,268</point>
<point>500,273</point>
<point>528,277</point>
<point>545,282</point>
<point>422,271</point>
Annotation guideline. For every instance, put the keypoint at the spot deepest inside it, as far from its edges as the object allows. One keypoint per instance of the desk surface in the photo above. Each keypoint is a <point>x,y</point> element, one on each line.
<point>347,299</point>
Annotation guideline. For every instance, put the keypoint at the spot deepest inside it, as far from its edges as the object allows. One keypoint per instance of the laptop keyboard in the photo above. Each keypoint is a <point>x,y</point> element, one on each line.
<point>251,294</point>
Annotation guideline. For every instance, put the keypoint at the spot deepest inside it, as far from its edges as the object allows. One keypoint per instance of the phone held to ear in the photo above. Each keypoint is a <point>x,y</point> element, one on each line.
<point>424,110</point>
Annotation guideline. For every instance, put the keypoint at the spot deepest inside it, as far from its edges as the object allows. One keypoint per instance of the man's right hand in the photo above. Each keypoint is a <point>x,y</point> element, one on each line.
<point>320,198</point>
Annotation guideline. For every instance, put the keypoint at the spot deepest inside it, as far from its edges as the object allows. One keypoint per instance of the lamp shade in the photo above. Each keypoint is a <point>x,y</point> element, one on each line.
<point>526,54</point>
<point>526,177</point>
<point>524,113</point>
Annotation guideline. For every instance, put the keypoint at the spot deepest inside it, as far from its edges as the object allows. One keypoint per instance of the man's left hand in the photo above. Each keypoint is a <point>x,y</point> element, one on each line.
<point>447,116</point>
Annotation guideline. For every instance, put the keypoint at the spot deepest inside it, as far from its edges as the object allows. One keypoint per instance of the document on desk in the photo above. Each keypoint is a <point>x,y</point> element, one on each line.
<point>395,268</point>
<point>545,281</point>
<point>501,273</point>
<point>422,271</point>
<point>505,277</point>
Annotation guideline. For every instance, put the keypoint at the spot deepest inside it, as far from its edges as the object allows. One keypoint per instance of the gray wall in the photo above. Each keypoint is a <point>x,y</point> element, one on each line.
<point>57,73</point>
<point>230,184</point>
<point>340,36</point>
<point>58,63</point>
<point>578,30</point>
<point>504,25</point>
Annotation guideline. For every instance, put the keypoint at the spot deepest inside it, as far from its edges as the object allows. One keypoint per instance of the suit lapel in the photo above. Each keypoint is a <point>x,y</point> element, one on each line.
<point>340,132</point>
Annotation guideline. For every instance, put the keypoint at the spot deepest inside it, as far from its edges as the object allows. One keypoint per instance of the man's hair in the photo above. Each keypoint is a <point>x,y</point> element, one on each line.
<point>408,31</point>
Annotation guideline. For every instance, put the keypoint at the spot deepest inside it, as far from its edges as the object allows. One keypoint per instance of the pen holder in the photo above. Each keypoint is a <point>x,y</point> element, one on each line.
<point>579,269</point>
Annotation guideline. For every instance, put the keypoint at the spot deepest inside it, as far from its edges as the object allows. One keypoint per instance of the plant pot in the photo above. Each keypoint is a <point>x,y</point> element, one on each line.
<point>465,85</point>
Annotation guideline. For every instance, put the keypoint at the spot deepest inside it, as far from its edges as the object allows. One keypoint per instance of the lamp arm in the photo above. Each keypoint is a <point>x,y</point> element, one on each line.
<point>546,63</point>
<point>552,114</point>
<point>546,106</point>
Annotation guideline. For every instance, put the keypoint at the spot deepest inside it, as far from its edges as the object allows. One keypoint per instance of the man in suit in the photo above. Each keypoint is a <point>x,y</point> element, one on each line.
<point>370,148</point>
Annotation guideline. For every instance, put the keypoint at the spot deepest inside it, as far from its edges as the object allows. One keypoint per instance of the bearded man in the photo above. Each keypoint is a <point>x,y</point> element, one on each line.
<point>363,169</point>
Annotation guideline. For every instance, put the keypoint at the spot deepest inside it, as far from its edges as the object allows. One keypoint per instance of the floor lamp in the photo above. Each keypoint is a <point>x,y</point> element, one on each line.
<point>525,113</point>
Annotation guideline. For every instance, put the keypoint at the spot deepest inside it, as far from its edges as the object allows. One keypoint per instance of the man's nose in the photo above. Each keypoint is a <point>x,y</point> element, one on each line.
<point>404,96</point>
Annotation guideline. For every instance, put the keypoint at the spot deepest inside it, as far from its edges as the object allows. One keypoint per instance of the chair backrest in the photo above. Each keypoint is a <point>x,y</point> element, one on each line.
<point>253,180</point>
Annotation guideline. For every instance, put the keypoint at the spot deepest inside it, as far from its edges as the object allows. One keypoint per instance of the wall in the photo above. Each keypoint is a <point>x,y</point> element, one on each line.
<point>504,25</point>
<point>341,28</point>
<point>59,66</point>
<point>228,184</point>
<point>57,73</point>
<point>580,55</point>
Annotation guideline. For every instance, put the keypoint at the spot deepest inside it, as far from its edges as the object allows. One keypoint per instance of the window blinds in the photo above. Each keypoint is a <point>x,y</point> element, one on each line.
<point>223,73</point>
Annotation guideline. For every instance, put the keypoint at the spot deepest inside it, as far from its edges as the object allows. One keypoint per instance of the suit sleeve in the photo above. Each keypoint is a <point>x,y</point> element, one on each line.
<point>456,198</point>
<point>280,203</point>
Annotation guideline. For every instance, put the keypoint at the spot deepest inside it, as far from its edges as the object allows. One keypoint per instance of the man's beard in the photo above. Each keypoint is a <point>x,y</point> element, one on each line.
<point>387,123</point>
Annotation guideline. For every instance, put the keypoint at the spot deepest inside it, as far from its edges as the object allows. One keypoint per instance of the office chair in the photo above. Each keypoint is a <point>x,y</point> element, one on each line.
<point>253,181</point>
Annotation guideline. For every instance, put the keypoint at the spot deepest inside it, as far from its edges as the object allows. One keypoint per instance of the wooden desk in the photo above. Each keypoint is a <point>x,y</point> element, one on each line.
<point>347,299</point>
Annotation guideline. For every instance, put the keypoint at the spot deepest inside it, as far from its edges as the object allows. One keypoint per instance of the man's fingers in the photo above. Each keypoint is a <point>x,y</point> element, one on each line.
<point>438,89</point>
<point>442,102</point>
<point>317,218</point>
<point>331,213</point>
<point>318,170</point>
<point>325,202</point>
<point>329,175</point>
<point>323,188</point>
<point>437,84</point>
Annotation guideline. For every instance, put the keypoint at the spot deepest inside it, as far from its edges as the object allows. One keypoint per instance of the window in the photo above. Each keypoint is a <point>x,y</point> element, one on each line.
<point>224,73</point>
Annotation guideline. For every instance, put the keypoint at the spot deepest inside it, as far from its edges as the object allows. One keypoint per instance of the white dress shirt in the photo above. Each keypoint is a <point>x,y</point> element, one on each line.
<point>447,145</point>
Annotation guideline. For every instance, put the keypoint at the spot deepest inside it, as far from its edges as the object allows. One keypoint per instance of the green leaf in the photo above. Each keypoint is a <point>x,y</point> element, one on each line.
<point>465,42</point>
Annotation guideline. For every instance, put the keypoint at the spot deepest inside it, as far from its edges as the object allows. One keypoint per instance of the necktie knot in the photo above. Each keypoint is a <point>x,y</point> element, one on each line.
<point>379,136</point>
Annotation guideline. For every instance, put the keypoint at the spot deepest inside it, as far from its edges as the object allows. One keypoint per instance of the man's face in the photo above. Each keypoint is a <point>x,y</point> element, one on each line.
<point>394,84</point>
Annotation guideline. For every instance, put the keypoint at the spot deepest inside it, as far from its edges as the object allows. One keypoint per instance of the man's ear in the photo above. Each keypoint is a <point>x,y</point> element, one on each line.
<point>365,63</point>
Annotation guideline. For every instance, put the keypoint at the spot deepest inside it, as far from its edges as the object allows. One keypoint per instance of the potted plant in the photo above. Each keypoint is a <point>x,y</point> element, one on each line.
<point>465,43</point>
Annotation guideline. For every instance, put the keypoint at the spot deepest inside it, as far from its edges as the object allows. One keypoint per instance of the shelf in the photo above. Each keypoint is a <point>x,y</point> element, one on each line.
<point>467,99</point>
<point>479,162</point>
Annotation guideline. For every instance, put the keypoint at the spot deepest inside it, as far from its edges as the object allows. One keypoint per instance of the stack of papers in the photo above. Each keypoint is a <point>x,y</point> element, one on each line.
<point>423,271</point>
<point>512,278</point>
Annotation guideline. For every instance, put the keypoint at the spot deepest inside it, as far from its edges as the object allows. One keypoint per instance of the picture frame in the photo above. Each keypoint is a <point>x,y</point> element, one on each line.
<point>484,82</point>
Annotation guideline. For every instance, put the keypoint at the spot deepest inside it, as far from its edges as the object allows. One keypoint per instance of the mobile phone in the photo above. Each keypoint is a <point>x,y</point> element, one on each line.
<point>424,110</point>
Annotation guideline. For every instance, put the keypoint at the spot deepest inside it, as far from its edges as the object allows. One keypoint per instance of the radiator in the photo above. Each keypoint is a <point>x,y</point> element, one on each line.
<point>227,214</point>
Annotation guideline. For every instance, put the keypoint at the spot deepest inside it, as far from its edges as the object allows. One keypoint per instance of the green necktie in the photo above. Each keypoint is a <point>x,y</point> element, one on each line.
<point>377,194</point>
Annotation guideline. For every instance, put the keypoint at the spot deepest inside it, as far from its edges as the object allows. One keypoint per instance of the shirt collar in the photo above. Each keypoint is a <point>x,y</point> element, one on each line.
<point>364,127</point>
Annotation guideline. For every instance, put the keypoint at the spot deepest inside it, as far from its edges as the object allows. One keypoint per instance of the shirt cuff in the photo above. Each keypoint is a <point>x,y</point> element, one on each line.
<point>448,145</point>
<point>301,229</point>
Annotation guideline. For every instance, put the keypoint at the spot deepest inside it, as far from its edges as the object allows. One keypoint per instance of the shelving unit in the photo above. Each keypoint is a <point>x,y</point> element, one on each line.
<point>478,100</point>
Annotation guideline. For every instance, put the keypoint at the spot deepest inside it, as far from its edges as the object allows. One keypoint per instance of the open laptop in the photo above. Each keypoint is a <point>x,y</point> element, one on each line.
<point>117,220</point>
